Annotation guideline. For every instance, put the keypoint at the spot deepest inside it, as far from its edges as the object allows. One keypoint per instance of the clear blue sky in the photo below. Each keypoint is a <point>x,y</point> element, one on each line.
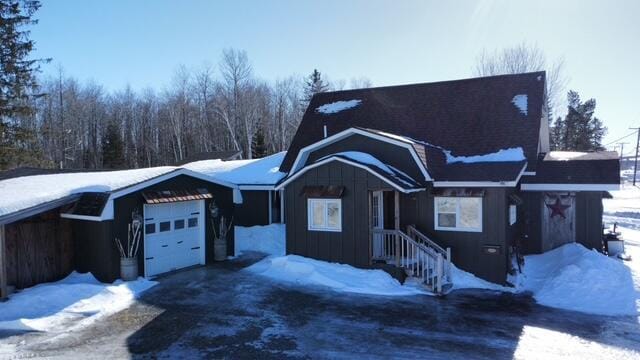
<point>140,43</point>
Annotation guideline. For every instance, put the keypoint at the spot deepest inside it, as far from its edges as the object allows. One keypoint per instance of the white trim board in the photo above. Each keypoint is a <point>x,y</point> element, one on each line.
<point>513,183</point>
<point>80,217</point>
<point>303,154</point>
<point>352,163</point>
<point>569,187</point>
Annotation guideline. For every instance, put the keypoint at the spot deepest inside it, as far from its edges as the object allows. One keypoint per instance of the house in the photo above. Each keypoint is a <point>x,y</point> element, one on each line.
<point>421,176</point>
<point>55,223</point>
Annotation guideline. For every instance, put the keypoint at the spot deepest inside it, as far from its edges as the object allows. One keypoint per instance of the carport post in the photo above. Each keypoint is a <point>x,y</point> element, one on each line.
<point>3,265</point>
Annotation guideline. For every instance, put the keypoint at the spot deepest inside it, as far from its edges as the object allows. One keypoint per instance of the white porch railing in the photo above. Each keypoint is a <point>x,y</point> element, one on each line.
<point>423,239</point>
<point>419,260</point>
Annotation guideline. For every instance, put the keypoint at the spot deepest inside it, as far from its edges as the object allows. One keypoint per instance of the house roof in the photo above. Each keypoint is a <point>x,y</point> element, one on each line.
<point>25,196</point>
<point>212,155</point>
<point>577,168</point>
<point>467,117</point>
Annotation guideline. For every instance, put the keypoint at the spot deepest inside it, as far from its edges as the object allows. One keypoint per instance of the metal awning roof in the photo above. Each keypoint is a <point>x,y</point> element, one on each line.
<point>168,196</point>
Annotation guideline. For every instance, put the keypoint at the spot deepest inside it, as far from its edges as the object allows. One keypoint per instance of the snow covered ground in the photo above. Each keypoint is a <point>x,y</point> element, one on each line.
<point>71,303</point>
<point>269,239</point>
<point>338,277</point>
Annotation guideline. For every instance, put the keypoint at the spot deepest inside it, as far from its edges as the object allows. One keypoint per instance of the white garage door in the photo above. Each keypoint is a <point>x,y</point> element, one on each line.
<point>174,236</point>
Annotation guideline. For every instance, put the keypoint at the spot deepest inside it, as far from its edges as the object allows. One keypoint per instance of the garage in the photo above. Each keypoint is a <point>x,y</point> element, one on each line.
<point>174,236</point>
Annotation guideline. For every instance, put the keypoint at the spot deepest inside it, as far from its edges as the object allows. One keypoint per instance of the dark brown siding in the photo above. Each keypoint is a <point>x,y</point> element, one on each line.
<point>387,153</point>
<point>531,224</point>
<point>467,247</point>
<point>351,246</point>
<point>95,250</point>
<point>39,249</point>
<point>588,221</point>
<point>254,209</point>
<point>123,207</point>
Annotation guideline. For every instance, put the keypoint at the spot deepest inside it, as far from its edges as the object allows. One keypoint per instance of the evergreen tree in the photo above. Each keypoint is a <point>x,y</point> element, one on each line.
<point>259,148</point>
<point>314,84</point>
<point>579,130</point>
<point>112,148</point>
<point>17,81</point>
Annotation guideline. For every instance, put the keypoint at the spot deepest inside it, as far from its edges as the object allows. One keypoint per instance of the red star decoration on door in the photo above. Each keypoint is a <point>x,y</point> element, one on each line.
<point>558,208</point>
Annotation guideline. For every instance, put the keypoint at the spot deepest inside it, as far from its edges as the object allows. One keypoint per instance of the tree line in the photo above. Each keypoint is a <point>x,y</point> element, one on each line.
<point>57,121</point>
<point>212,108</point>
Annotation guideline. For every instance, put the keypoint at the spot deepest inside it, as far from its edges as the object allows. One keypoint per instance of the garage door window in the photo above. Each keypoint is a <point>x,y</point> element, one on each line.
<point>193,222</point>
<point>165,226</point>
<point>178,224</point>
<point>150,228</point>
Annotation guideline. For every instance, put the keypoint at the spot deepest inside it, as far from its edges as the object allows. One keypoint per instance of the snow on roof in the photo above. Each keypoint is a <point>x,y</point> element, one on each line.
<point>21,193</point>
<point>521,102</point>
<point>397,137</point>
<point>504,155</point>
<point>264,171</point>
<point>338,106</point>
<point>368,159</point>
<point>25,192</point>
<point>577,155</point>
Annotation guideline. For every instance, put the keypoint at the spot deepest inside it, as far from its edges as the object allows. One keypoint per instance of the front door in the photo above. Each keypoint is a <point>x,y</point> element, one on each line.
<point>377,222</point>
<point>558,220</point>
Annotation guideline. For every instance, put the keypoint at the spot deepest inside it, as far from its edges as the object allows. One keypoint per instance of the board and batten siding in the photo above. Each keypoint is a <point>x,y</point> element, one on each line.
<point>467,248</point>
<point>351,245</point>
<point>254,209</point>
<point>588,221</point>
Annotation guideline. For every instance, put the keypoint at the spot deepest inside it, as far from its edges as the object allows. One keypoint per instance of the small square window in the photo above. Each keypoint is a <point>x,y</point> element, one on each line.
<point>150,228</point>
<point>193,222</point>
<point>458,213</point>
<point>324,214</point>
<point>165,226</point>
<point>178,224</point>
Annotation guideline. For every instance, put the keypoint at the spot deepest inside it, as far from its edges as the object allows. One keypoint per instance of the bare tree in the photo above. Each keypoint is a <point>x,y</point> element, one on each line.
<point>525,58</point>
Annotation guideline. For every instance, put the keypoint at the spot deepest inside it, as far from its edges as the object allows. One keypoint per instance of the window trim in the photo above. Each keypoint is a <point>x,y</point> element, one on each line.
<point>456,228</point>
<point>325,202</point>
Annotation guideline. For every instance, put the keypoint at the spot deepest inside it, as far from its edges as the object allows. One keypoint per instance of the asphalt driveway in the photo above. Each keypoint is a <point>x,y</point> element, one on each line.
<point>221,311</point>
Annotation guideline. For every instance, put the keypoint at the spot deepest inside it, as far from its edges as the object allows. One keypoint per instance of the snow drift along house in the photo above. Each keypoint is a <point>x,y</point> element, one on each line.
<point>53,224</point>
<point>415,175</point>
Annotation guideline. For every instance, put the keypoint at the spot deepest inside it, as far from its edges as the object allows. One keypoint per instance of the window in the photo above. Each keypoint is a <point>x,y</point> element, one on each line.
<point>192,222</point>
<point>178,224</point>
<point>165,226</point>
<point>324,214</point>
<point>458,213</point>
<point>149,228</point>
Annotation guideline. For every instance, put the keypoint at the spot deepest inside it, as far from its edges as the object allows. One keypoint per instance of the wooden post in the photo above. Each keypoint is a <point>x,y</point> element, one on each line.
<point>3,265</point>
<point>396,210</point>
<point>370,225</point>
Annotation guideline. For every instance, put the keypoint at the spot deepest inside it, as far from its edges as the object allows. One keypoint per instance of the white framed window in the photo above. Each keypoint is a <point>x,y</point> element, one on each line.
<point>458,214</point>
<point>324,214</point>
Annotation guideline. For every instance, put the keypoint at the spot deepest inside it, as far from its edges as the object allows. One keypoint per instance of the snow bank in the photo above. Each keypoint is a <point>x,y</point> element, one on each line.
<point>264,171</point>
<point>269,239</point>
<point>464,280</point>
<point>521,102</point>
<point>337,106</point>
<point>504,155</point>
<point>78,299</point>
<point>24,192</point>
<point>338,277</point>
<point>574,278</point>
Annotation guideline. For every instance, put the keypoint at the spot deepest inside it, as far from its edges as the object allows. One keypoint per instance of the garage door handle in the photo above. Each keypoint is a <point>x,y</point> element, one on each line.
<point>195,248</point>
<point>149,258</point>
<point>165,245</point>
<point>195,213</point>
<point>148,219</point>
<point>180,242</point>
